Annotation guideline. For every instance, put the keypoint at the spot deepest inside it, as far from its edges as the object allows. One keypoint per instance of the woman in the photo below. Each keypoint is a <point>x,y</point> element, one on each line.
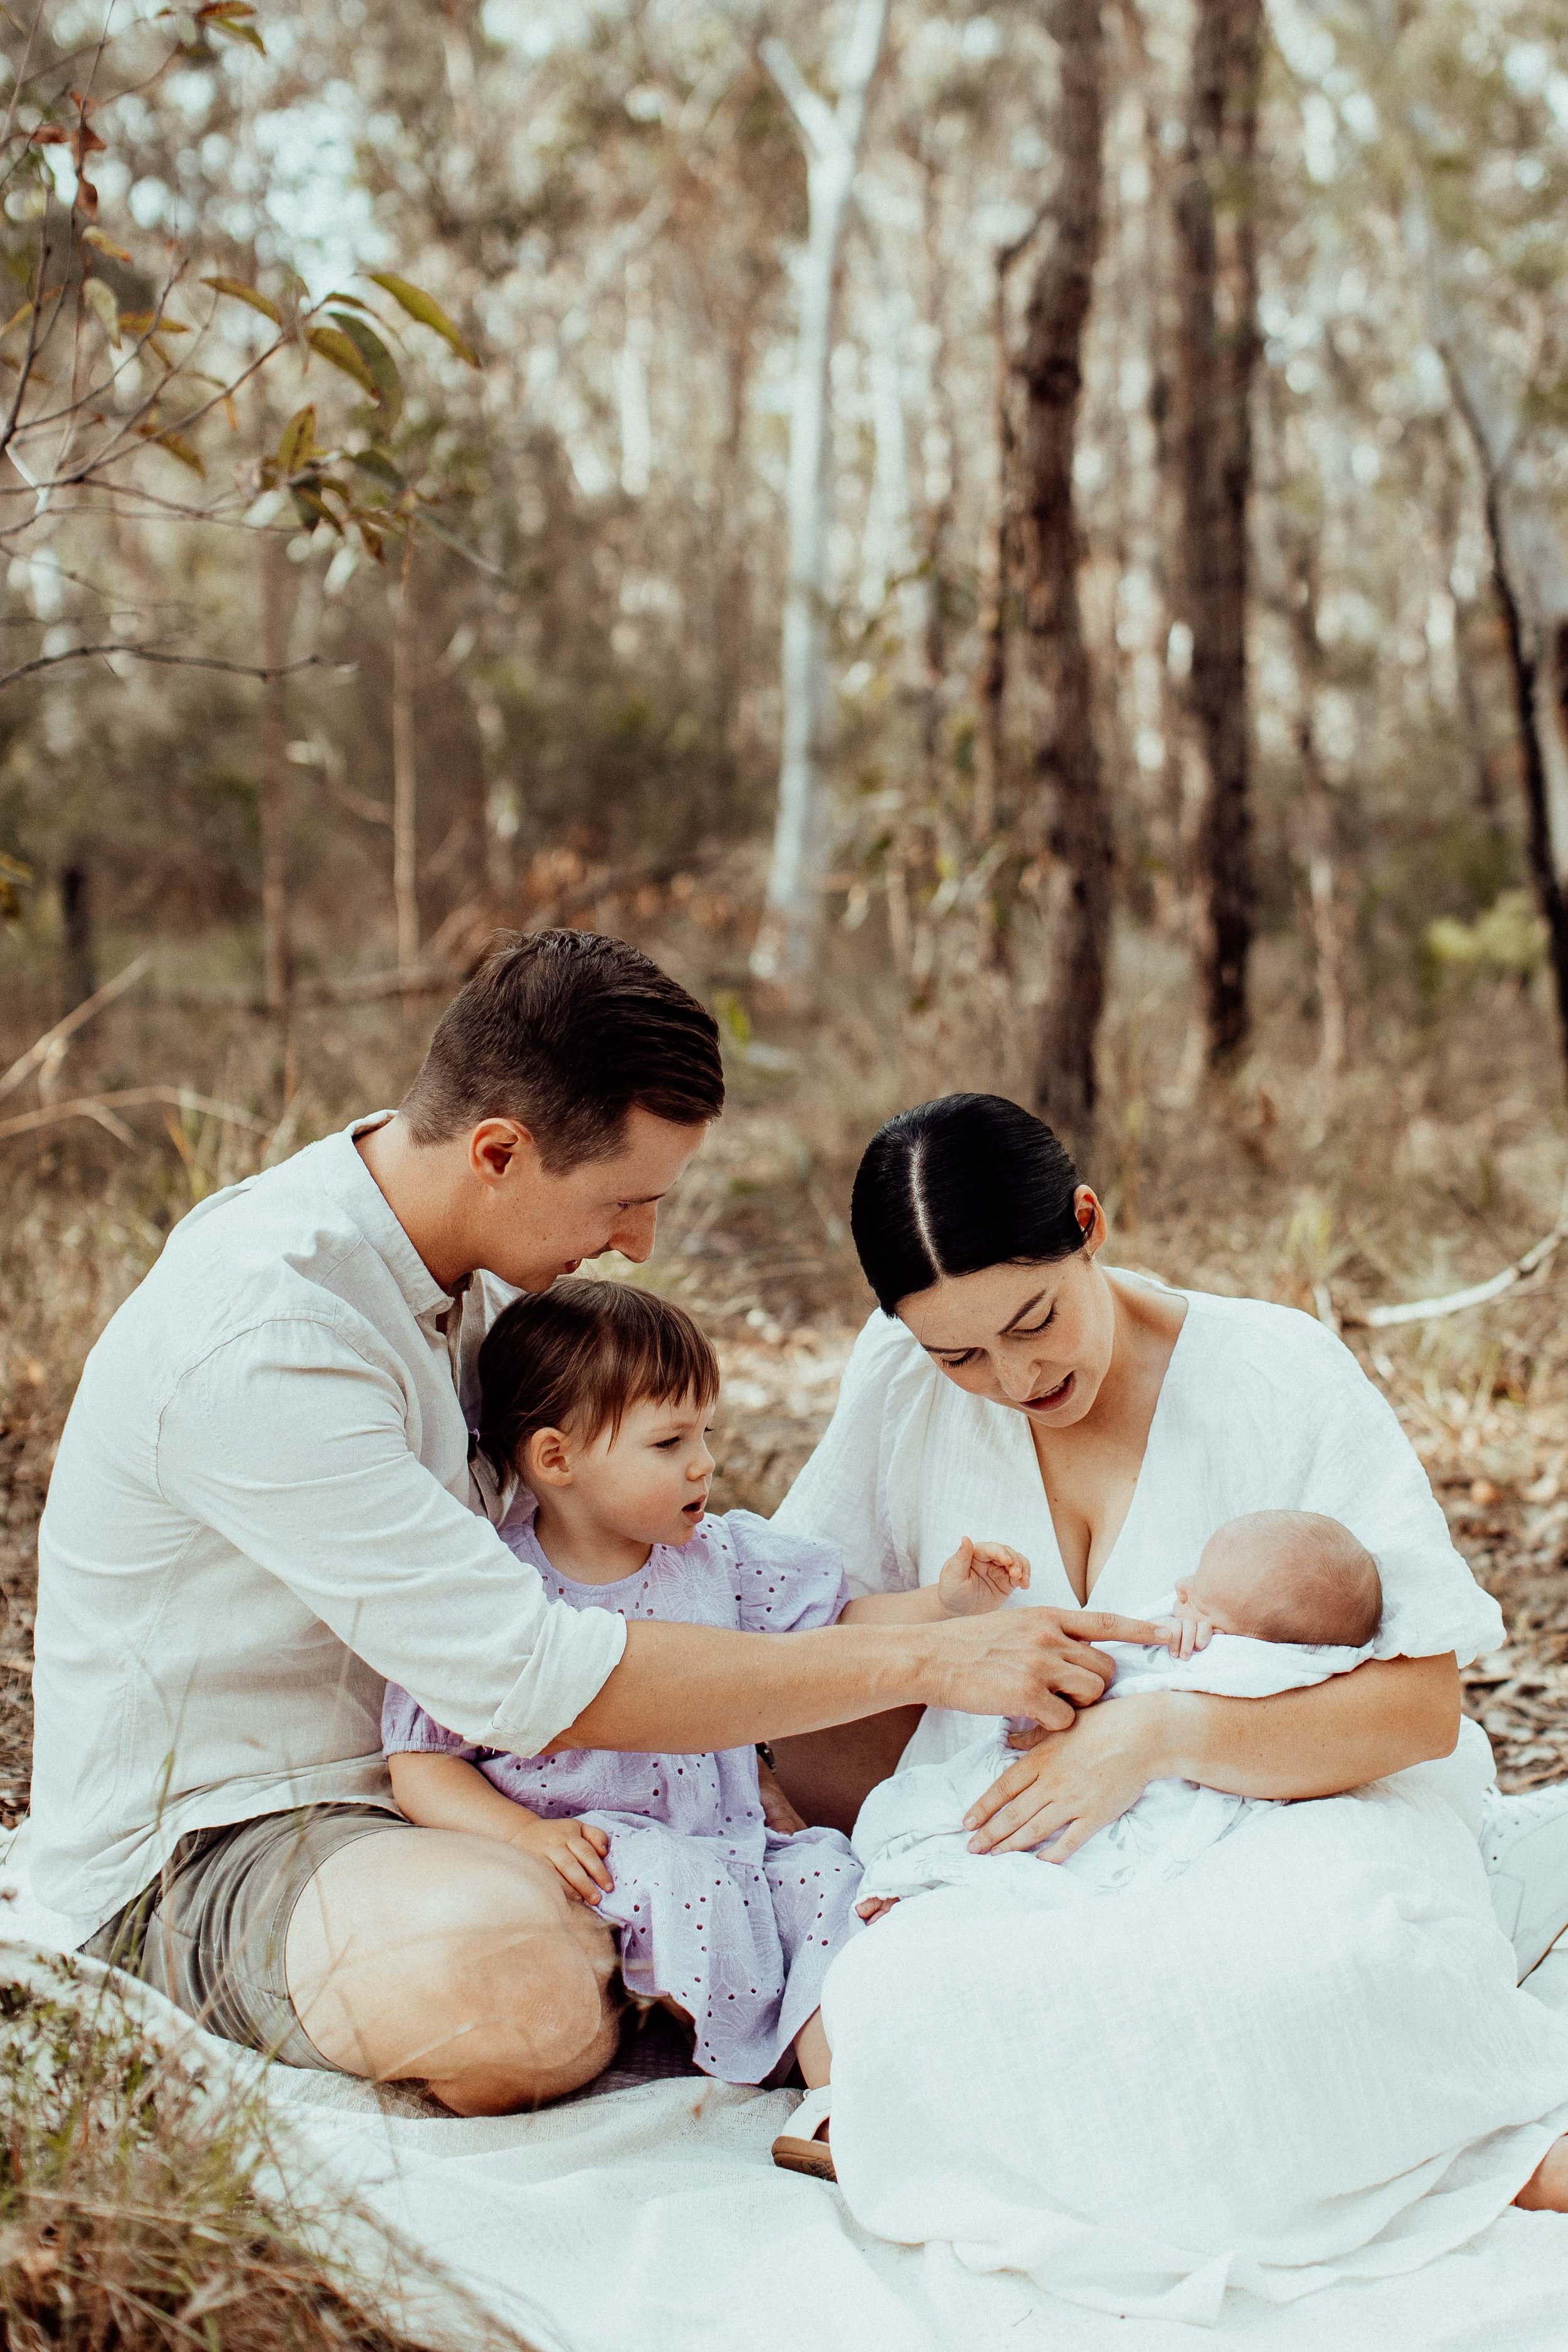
<point>1304,2060</point>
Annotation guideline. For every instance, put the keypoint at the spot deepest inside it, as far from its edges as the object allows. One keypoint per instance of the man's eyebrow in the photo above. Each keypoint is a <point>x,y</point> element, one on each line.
<point>1028,1308</point>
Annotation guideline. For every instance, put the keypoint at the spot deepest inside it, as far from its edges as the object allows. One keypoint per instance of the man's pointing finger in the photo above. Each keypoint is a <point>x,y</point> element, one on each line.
<point>1098,1625</point>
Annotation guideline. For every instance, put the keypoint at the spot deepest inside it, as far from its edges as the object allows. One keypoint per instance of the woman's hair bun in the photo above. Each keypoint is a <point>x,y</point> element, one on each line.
<point>956,1185</point>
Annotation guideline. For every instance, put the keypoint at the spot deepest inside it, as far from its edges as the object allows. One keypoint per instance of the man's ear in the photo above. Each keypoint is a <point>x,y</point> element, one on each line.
<point>495,1144</point>
<point>547,1459</point>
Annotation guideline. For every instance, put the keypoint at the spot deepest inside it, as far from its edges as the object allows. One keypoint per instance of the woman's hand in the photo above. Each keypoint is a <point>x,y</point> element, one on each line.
<point>1073,1782</point>
<point>980,1577</point>
<point>574,1849</point>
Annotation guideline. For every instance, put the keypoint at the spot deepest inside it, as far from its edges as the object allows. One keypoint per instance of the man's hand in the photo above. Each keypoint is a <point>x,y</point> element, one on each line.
<point>1072,1782</point>
<point>979,1576</point>
<point>1033,1662</point>
<point>574,1849</point>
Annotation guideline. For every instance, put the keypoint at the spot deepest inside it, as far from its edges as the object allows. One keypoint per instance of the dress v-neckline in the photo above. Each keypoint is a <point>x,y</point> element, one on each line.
<point>1024,1439</point>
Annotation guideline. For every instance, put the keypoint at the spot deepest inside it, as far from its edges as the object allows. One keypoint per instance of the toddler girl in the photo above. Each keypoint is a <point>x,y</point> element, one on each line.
<point>597,1398</point>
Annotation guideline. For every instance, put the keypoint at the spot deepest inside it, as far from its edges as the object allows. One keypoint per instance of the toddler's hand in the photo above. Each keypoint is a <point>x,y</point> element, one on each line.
<point>980,1577</point>
<point>574,1849</point>
<point>778,1813</point>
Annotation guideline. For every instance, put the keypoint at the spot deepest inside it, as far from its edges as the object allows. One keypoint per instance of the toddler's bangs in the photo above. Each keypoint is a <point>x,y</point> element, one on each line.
<point>580,1355</point>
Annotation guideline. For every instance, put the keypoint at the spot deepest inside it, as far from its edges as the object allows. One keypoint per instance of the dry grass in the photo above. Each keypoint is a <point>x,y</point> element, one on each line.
<point>141,2203</point>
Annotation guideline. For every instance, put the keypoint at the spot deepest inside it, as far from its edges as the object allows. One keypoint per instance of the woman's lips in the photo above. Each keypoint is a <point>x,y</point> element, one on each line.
<point>1050,1399</point>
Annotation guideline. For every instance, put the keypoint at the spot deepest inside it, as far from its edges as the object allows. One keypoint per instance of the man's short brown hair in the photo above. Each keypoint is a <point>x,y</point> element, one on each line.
<point>568,1032</point>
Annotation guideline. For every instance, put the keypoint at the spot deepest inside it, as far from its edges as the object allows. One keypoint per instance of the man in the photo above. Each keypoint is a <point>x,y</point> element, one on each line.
<point>264,1508</point>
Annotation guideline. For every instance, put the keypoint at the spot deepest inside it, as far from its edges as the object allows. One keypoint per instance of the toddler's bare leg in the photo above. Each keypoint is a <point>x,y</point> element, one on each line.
<point>811,2053</point>
<point>1546,2191</point>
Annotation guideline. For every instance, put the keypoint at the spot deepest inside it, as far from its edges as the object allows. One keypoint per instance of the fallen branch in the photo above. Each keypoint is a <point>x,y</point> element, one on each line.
<point>11,1078</point>
<point>1457,1302</point>
<point>170,661</point>
<point>96,1107</point>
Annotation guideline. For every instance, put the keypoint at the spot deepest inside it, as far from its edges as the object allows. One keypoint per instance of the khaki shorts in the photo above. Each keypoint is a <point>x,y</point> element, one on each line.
<point>209,1933</point>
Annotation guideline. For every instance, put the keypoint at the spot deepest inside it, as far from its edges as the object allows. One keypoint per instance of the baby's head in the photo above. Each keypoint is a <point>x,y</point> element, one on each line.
<point>607,1392</point>
<point>1286,1576</point>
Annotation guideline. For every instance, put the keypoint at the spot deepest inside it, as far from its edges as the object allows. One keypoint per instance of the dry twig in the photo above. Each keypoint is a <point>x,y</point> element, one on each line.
<point>96,1107</point>
<point>39,1052</point>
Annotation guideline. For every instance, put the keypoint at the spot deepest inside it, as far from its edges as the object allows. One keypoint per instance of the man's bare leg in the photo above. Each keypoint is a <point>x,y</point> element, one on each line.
<point>450,1959</point>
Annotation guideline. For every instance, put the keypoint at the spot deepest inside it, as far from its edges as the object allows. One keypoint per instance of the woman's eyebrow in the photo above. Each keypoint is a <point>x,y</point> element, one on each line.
<point>1028,1308</point>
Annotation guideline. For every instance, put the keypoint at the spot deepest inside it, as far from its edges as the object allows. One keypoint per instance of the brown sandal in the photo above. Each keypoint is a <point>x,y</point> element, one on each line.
<point>803,2149</point>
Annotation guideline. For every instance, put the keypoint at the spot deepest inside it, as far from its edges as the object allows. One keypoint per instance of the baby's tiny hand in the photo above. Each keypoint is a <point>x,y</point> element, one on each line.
<point>980,1577</point>
<point>574,1849</point>
<point>1186,1631</point>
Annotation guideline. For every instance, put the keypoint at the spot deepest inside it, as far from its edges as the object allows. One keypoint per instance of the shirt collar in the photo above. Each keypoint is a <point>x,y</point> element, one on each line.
<point>371,1213</point>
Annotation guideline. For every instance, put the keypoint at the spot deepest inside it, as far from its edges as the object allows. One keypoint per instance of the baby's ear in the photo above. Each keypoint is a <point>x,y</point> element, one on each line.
<point>547,1459</point>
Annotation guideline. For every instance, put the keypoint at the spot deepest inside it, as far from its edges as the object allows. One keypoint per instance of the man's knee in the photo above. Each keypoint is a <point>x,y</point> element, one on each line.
<point>484,1977</point>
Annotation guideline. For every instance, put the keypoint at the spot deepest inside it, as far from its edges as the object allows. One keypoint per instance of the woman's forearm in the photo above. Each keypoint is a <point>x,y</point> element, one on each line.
<point>1320,1742</point>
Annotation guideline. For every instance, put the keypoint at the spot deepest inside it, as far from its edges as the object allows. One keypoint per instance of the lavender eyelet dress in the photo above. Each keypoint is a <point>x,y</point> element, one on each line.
<point>713,1908</point>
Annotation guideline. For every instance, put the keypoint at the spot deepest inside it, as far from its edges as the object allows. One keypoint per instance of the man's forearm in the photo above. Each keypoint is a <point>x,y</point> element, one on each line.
<point>683,1689</point>
<point>1320,1742</point>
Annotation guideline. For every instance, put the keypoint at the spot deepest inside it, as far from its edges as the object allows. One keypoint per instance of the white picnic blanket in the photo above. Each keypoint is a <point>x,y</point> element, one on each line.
<point>651,2220</point>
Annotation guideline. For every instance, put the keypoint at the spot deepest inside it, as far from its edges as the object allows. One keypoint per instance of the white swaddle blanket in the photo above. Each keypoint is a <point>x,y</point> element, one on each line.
<point>910,1837</point>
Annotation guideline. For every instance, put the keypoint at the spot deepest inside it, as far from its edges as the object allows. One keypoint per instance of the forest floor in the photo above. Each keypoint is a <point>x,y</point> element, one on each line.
<point>1435,1160</point>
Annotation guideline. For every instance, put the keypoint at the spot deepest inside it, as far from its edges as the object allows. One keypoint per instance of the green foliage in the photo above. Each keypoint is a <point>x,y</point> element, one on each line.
<point>1509,937</point>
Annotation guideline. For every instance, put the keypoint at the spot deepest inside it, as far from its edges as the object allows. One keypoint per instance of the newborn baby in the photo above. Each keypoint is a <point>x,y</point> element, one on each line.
<point>1278,1601</point>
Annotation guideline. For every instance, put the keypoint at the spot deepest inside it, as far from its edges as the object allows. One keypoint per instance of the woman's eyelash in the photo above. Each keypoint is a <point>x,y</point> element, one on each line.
<point>1033,1330</point>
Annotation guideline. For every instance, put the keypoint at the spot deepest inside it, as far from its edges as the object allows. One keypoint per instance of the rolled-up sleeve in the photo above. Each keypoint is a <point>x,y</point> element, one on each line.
<point>296,1449</point>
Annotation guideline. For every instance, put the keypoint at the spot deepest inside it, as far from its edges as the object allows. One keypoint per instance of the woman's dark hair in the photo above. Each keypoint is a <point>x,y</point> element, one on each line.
<point>579,1355</point>
<point>955,1185</point>
<point>568,1032</point>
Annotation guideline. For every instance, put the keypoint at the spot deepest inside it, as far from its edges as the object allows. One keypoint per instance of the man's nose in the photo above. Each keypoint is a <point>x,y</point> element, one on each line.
<point>634,1234</point>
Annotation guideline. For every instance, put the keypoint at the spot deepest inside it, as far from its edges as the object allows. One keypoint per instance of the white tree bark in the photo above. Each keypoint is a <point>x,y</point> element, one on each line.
<point>786,948</point>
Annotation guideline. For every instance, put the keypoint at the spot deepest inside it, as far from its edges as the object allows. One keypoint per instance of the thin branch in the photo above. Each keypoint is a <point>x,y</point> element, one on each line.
<point>20,1068</point>
<point>96,1106</point>
<point>1457,1302</point>
<point>170,661</point>
<point>818,122</point>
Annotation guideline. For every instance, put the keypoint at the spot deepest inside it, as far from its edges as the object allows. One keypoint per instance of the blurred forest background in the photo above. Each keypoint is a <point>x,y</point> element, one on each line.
<point>1014,546</point>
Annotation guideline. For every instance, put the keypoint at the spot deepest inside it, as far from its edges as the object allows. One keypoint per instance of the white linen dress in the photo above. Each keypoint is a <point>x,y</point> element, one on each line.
<point>1305,2059</point>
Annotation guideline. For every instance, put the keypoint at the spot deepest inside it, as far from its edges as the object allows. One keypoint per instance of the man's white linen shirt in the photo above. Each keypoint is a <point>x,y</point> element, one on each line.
<point>262,1511</point>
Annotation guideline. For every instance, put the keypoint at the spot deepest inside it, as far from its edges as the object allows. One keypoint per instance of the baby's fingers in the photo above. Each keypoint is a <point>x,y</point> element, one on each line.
<point>588,1849</point>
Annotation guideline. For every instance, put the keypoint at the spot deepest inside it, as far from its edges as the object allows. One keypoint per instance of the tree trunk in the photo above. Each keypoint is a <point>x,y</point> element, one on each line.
<point>276,791</point>
<point>1527,651</point>
<point>786,952</point>
<point>1067,760</point>
<point>1530,576</point>
<point>1318,808</point>
<point>990,686</point>
<point>1216,246</point>
<point>404,773</point>
<point>80,963</point>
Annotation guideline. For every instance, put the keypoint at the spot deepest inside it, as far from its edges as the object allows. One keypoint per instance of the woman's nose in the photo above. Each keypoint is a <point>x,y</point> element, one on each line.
<point>1018,1381</point>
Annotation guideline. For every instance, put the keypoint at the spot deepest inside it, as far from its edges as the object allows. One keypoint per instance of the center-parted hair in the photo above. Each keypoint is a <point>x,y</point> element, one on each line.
<point>956,1185</point>
<point>579,1355</point>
